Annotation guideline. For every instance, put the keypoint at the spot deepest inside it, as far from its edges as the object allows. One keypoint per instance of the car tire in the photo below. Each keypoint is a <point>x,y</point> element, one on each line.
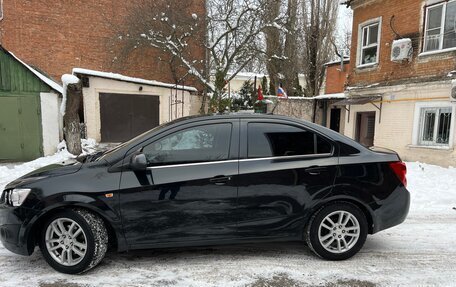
<point>337,231</point>
<point>74,241</point>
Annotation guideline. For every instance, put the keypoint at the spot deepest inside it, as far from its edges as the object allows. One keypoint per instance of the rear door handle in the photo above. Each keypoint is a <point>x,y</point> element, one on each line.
<point>315,170</point>
<point>220,180</point>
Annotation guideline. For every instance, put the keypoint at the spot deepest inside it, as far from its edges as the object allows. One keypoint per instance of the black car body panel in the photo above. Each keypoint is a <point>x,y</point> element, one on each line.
<point>235,199</point>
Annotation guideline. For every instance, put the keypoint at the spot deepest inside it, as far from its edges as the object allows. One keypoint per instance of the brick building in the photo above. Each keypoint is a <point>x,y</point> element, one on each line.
<point>332,113</point>
<point>402,77</point>
<point>44,39</point>
<point>56,36</point>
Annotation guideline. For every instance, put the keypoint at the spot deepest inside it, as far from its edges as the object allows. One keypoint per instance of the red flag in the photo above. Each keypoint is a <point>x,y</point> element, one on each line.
<point>260,94</point>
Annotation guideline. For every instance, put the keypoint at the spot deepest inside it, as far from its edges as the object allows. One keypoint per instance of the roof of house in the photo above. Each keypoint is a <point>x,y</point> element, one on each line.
<point>119,77</point>
<point>319,97</point>
<point>331,96</point>
<point>47,80</point>
<point>346,60</point>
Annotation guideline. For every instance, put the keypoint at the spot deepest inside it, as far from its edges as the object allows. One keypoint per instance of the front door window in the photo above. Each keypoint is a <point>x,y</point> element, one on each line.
<point>206,143</point>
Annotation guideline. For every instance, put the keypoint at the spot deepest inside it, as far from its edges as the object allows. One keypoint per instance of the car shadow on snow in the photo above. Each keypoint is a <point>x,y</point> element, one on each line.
<point>228,251</point>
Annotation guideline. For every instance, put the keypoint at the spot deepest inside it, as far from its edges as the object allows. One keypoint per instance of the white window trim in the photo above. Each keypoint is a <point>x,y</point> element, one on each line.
<point>436,52</point>
<point>360,42</point>
<point>1,10</point>
<point>417,121</point>
<point>442,27</point>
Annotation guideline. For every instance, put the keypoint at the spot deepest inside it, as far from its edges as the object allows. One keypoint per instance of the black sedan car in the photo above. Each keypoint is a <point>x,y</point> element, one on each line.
<point>221,179</point>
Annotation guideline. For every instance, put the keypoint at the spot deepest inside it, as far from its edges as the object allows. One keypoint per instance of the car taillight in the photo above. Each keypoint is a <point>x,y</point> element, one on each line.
<point>400,169</point>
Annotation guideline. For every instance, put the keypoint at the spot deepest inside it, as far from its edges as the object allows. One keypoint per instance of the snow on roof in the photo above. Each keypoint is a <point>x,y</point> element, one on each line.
<point>120,77</point>
<point>247,75</point>
<point>319,97</point>
<point>346,60</point>
<point>48,81</point>
<point>402,41</point>
<point>330,96</point>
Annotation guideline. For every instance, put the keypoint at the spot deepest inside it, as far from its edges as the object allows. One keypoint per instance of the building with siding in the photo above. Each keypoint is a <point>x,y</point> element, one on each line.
<point>30,124</point>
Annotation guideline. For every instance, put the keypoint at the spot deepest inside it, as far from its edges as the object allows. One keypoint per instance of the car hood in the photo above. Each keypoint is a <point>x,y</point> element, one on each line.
<point>57,169</point>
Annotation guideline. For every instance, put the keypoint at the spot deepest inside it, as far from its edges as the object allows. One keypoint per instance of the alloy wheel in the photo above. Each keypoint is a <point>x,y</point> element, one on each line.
<point>66,241</point>
<point>339,231</point>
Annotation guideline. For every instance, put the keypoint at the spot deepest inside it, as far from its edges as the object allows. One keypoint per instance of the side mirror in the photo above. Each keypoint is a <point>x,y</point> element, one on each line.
<point>138,162</point>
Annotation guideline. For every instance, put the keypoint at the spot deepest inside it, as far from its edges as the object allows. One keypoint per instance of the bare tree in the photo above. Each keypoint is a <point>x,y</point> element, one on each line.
<point>274,47</point>
<point>230,33</point>
<point>72,96</point>
<point>318,28</point>
<point>302,42</point>
<point>282,43</point>
<point>290,52</point>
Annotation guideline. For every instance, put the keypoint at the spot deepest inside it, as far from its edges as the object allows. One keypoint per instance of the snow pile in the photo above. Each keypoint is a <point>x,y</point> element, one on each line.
<point>10,172</point>
<point>430,196</point>
<point>67,79</point>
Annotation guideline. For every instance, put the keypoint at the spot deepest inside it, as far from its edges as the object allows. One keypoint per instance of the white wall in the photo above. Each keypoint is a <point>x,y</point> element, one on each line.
<point>398,120</point>
<point>50,121</point>
<point>98,85</point>
<point>238,81</point>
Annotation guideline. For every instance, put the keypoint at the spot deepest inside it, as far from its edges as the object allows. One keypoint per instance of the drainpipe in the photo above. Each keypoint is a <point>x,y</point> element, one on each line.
<point>325,113</point>
<point>314,115</point>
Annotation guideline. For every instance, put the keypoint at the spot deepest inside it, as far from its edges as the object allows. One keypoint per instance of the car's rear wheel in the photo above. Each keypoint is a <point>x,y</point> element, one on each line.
<point>74,241</point>
<point>337,231</point>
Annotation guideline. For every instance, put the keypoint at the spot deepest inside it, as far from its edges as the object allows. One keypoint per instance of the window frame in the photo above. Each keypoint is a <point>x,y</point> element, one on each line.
<point>418,127</point>
<point>1,10</point>
<point>444,5</point>
<point>361,48</point>
<point>245,156</point>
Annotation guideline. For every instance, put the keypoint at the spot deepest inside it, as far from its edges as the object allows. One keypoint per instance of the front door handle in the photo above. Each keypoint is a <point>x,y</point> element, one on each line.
<point>220,180</point>
<point>315,170</point>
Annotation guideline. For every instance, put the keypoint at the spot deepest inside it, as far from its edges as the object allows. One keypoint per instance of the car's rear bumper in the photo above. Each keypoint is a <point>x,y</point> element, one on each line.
<point>392,210</point>
<point>12,232</point>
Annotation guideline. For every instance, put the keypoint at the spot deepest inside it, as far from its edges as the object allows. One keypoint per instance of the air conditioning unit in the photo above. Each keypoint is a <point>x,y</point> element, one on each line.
<point>401,50</point>
<point>453,91</point>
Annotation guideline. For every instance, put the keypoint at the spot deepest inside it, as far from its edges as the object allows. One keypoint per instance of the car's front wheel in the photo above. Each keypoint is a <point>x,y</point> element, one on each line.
<point>74,241</point>
<point>337,231</point>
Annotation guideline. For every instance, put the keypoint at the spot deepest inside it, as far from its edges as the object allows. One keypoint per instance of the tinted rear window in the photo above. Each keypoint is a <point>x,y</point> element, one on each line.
<point>275,140</point>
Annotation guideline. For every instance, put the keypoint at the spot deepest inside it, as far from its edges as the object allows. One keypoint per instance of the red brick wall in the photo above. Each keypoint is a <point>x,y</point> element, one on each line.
<point>408,22</point>
<point>335,78</point>
<point>57,35</point>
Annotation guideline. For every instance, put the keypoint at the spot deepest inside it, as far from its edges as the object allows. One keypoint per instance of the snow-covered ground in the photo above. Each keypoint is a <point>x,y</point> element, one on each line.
<point>419,252</point>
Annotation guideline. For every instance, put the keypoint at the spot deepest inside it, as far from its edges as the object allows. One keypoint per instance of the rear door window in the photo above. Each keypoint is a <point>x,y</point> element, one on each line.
<point>279,140</point>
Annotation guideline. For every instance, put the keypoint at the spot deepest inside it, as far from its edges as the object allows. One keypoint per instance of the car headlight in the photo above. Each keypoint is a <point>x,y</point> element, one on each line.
<point>15,197</point>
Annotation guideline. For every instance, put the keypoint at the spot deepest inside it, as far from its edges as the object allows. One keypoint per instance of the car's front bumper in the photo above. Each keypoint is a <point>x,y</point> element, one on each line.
<point>13,226</point>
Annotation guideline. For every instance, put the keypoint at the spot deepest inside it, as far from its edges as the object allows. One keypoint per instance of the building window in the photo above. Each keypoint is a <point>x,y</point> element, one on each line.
<point>435,126</point>
<point>1,9</point>
<point>369,42</point>
<point>440,30</point>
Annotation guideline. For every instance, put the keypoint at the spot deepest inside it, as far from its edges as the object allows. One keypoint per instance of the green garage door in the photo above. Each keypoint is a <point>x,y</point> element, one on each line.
<point>20,128</point>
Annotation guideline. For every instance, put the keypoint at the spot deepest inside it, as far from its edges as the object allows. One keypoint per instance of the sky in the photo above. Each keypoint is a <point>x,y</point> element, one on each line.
<point>344,20</point>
